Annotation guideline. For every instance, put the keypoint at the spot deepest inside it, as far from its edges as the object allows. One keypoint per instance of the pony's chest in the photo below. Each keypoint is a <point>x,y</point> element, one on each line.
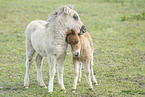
<point>59,48</point>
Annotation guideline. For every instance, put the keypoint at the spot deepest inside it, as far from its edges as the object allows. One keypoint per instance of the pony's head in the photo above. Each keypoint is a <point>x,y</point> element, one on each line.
<point>68,18</point>
<point>73,38</point>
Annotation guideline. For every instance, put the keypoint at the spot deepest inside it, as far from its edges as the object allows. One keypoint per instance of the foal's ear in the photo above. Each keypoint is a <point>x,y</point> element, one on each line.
<point>66,10</point>
<point>72,31</point>
<point>68,32</point>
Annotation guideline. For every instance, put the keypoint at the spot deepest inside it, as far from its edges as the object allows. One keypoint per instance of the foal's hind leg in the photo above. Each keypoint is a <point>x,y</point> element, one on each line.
<point>29,55</point>
<point>87,71</point>
<point>92,73</point>
<point>39,62</point>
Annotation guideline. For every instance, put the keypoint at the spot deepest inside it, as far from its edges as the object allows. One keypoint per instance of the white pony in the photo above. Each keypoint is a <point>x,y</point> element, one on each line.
<point>47,38</point>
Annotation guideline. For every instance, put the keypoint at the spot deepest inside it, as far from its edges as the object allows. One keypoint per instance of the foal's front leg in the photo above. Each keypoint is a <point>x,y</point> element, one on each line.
<point>80,72</point>
<point>52,70</point>
<point>76,73</point>
<point>87,71</point>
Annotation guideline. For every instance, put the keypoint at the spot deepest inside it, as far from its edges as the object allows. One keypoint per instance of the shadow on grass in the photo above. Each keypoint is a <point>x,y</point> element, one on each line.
<point>133,92</point>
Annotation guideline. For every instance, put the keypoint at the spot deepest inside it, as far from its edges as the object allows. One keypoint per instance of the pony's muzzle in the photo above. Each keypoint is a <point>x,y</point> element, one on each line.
<point>83,30</point>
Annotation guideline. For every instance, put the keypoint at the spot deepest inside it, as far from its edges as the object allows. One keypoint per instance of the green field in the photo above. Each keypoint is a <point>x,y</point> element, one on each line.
<point>117,28</point>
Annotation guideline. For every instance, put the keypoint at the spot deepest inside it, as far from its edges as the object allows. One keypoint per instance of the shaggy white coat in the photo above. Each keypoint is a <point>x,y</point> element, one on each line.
<point>47,38</point>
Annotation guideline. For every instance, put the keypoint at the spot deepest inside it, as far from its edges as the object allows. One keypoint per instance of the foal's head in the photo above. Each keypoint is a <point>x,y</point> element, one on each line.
<point>74,40</point>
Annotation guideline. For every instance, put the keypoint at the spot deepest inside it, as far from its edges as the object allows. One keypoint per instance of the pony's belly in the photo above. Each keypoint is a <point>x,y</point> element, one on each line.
<point>56,50</point>
<point>39,50</point>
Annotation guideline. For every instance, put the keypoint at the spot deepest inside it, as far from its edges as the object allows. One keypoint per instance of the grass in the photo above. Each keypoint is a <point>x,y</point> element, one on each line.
<point>139,16</point>
<point>119,57</point>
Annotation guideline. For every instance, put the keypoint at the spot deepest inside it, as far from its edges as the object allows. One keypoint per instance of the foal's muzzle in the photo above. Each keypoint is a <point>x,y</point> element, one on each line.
<point>83,30</point>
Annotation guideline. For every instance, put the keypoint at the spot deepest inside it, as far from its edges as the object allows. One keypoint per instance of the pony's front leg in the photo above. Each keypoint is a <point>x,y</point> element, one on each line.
<point>60,68</point>
<point>52,70</point>
<point>76,73</point>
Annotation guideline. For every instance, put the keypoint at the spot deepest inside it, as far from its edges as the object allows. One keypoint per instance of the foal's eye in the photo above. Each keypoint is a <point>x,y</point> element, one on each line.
<point>75,17</point>
<point>77,42</point>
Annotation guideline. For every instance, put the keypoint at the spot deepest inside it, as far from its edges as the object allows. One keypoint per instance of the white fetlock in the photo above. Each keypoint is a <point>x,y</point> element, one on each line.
<point>90,88</point>
<point>50,92</point>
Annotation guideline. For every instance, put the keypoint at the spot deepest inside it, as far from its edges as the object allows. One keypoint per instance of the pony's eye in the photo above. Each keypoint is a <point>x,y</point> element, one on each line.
<point>75,17</point>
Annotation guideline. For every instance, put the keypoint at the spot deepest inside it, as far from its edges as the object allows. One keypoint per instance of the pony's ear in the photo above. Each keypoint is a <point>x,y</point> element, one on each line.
<point>66,10</point>
<point>71,6</point>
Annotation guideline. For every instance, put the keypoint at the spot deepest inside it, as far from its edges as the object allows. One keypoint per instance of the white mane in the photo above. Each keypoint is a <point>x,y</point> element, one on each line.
<point>57,13</point>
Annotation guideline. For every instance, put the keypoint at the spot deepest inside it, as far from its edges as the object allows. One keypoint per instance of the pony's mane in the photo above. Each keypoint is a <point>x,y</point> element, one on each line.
<point>57,12</point>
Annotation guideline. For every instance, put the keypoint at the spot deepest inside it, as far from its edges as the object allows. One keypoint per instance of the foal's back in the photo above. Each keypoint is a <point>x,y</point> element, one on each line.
<point>86,45</point>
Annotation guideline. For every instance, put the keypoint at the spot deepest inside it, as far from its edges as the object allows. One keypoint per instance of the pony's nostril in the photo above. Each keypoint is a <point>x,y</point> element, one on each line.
<point>77,54</point>
<point>82,30</point>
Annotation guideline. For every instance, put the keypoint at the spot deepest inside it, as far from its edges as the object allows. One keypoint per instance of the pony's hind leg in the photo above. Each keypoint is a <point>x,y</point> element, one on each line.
<point>29,56</point>
<point>39,62</point>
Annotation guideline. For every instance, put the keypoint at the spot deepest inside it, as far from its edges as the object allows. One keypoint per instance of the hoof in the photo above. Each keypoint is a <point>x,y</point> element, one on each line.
<point>45,86</point>
<point>90,88</point>
<point>26,87</point>
<point>96,83</point>
<point>49,92</point>
<point>73,90</point>
<point>79,81</point>
<point>63,89</point>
